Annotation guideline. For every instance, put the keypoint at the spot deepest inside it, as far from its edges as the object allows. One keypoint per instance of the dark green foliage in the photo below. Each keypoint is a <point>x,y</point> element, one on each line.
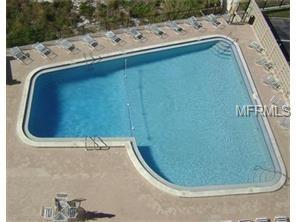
<point>29,21</point>
<point>86,9</point>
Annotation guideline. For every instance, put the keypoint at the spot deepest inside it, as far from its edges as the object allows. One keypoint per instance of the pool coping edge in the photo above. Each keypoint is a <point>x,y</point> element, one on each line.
<point>130,143</point>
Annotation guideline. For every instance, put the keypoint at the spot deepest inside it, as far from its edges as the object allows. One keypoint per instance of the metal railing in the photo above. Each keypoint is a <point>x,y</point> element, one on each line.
<point>272,3</point>
<point>95,143</point>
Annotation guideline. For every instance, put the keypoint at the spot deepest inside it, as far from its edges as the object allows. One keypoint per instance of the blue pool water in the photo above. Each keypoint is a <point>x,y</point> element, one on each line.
<point>178,103</point>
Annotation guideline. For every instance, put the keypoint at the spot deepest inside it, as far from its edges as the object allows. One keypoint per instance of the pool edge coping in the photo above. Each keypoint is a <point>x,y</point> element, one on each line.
<point>129,143</point>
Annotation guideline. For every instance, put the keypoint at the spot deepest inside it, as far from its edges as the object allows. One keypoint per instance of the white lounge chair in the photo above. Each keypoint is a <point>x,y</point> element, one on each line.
<point>257,47</point>
<point>214,21</point>
<point>114,38</point>
<point>90,41</point>
<point>281,219</point>
<point>156,30</point>
<point>18,54</point>
<point>136,34</point>
<point>285,123</point>
<point>268,65</point>
<point>44,50</point>
<point>195,23</point>
<point>262,219</point>
<point>272,81</point>
<point>174,26</point>
<point>47,213</point>
<point>276,100</point>
<point>67,45</point>
<point>62,196</point>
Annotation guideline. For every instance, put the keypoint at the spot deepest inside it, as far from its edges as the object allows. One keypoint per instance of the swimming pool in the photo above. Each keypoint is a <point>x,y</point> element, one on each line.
<point>178,102</point>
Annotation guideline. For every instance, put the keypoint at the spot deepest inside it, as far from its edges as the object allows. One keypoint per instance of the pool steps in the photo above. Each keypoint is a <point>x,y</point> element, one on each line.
<point>222,50</point>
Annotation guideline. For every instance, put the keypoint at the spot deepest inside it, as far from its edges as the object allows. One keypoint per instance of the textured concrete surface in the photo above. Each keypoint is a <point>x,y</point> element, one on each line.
<point>107,179</point>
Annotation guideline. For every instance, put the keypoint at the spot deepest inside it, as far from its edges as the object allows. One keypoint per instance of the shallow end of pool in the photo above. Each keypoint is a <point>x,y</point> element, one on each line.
<point>204,191</point>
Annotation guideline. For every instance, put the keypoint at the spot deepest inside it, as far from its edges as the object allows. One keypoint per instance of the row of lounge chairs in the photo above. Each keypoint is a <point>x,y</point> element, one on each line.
<point>265,219</point>
<point>263,61</point>
<point>271,80</point>
<point>46,52</point>
<point>276,100</point>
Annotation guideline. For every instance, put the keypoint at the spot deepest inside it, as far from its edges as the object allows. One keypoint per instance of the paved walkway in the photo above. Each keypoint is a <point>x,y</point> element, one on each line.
<point>107,179</point>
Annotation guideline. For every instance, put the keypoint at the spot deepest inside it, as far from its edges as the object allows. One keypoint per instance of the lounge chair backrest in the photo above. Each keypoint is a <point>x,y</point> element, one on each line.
<point>41,48</point>
<point>212,17</point>
<point>135,32</point>
<point>278,101</point>
<point>66,43</point>
<point>90,41</point>
<point>62,196</point>
<point>175,26</point>
<point>110,34</point>
<point>156,30</point>
<point>87,38</point>
<point>257,46</point>
<point>16,51</point>
<point>194,22</point>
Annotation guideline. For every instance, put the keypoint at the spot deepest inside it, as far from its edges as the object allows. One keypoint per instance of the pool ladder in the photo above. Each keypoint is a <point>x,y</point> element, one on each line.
<point>89,62</point>
<point>95,143</point>
<point>261,175</point>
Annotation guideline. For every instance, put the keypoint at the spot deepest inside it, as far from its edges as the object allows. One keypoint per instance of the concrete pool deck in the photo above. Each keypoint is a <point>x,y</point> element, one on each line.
<point>108,179</point>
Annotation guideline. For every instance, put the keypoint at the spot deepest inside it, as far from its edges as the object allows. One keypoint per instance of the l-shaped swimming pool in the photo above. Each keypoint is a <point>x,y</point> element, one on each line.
<point>178,102</point>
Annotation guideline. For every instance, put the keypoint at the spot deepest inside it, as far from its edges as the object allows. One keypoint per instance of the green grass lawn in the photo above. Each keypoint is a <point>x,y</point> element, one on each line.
<point>280,13</point>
